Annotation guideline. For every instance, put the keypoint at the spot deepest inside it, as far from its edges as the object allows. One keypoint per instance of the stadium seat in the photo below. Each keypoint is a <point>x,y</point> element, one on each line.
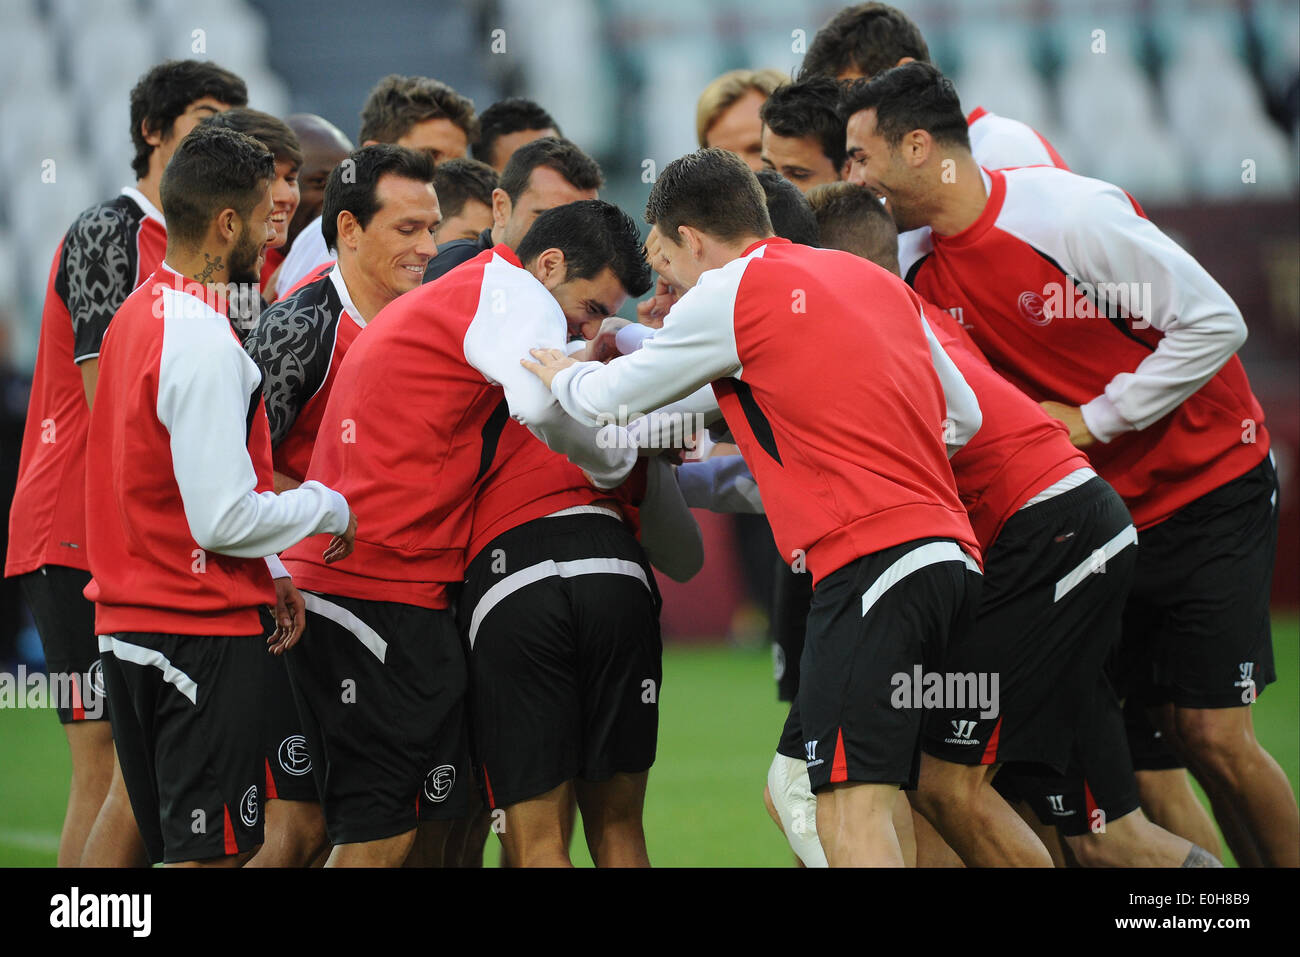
<point>1216,111</point>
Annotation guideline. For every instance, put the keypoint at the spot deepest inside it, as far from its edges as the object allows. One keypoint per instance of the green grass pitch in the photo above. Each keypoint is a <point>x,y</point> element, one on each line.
<point>719,722</point>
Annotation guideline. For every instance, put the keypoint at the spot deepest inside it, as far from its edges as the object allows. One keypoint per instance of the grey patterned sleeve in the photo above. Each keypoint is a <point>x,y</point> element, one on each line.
<point>99,262</point>
<point>292,344</point>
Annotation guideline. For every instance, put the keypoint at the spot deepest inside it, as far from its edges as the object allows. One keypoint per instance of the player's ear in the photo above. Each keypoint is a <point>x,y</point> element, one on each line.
<point>501,207</point>
<point>151,136</point>
<point>549,267</point>
<point>917,146</point>
<point>692,239</point>
<point>348,227</point>
<point>228,226</point>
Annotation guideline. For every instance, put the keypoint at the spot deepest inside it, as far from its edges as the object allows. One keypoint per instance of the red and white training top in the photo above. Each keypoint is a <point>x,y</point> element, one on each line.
<point>841,416</point>
<point>107,252</point>
<point>299,345</point>
<point>178,474</point>
<point>1019,449</point>
<point>1077,298</point>
<point>413,422</point>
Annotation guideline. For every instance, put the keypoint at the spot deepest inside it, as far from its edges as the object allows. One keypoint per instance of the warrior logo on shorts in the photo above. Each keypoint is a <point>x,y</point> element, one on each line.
<point>96,676</point>
<point>1057,802</point>
<point>248,807</point>
<point>810,748</point>
<point>293,755</point>
<point>963,731</point>
<point>439,782</point>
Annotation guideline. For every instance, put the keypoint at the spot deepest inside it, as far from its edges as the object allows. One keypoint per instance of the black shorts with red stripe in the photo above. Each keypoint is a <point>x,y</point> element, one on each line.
<point>187,723</point>
<point>288,759</point>
<point>1055,580</point>
<point>878,617</point>
<point>65,621</point>
<point>380,689</point>
<point>1098,784</point>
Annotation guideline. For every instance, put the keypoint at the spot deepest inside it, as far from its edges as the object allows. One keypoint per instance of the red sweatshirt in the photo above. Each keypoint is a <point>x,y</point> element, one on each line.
<point>414,419</point>
<point>110,249</point>
<point>840,416</point>
<point>178,474</point>
<point>1077,298</point>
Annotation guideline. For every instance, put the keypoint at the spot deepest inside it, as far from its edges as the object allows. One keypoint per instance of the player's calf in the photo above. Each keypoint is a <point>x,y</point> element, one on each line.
<point>611,819</point>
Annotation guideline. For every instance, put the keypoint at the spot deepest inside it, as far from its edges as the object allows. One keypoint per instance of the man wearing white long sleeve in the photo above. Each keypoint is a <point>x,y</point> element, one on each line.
<point>1090,309</point>
<point>180,514</point>
<point>866,501</point>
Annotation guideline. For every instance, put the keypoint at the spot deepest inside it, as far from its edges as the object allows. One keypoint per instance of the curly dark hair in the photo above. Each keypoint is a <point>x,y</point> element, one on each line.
<point>166,91</point>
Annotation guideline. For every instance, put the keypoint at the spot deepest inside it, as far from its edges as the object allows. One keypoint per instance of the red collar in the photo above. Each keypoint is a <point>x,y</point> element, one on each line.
<point>987,217</point>
<point>770,240</point>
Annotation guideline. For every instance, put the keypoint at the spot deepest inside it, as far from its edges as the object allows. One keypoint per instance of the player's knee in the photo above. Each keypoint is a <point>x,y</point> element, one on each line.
<point>1216,740</point>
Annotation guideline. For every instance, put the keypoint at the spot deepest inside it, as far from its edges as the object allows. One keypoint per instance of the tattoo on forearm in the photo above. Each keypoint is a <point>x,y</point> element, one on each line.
<point>209,268</point>
<point>1200,857</point>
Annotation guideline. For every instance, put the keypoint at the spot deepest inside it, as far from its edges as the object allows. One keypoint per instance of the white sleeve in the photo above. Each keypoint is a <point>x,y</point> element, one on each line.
<point>665,427</point>
<point>963,416</point>
<point>669,533</point>
<point>203,403</point>
<point>1144,274</point>
<point>672,425</point>
<point>999,142</point>
<point>722,483</point>
<point>696,345</point>
<point>513,318</point>
<point>631,337</point>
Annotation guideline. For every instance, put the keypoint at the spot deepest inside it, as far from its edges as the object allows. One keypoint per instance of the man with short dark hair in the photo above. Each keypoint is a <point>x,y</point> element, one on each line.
<point>541,175</point>
<point>803,135</point>
<point>412,111</point>
<point>1042,627</point>
<point>277,137</point>
<point>882,531</point>
<point>409,432</point>
<point>465,195</point>
<point>108,251</point>
<point>868,38</point>
<point>509,124</point>
<point>1125,338</point>
<point>179,579</point>
<point>379,219</point>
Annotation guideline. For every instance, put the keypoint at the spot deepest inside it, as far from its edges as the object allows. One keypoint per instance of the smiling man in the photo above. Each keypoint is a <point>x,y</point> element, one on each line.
<point>182,525</point>
<point>277,137</point>
<point>1116,331</point>
<point>417,112</point>
<point>109,250</point>
<point>380,219</point>
<point>409,431</point>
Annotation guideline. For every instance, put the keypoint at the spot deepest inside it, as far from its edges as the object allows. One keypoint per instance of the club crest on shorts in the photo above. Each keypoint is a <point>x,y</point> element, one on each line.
<point>293,755</point>
<point>96,676</point>
<point>439,782</point>
<point>248,806</point>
